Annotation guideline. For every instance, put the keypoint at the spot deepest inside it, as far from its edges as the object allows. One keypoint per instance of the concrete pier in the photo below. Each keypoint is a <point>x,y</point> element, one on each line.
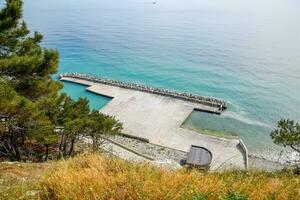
<point>209,101</point>
<point>159,118</point>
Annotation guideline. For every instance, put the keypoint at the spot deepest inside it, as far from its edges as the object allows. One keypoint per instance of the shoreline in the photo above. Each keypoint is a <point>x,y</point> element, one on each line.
<point>267,161</point>
<point>220,134</point>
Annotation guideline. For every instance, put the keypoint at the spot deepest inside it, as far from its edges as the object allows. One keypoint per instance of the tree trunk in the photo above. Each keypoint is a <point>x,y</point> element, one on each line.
<point>65,145</point>
<point>7,147</point>
<point>47,151</point>
<point>71,146</point>
<point>94,139</point>
<point>62,141</point>
<point>296,149</point>
<point>13,146</point>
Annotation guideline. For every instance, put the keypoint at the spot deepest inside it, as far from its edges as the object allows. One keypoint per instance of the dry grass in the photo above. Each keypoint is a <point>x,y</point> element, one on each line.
<point>94,176</point>
<point>20,180</point>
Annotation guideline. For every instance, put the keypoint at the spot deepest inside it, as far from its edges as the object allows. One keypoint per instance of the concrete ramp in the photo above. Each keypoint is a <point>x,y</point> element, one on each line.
<point>158,118</point>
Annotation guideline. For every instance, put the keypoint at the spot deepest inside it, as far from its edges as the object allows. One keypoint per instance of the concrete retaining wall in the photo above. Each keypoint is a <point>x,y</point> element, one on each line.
<point>245,152</point>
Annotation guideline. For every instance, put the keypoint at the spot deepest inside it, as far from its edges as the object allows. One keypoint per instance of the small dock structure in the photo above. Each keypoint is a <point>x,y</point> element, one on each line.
<point>157,115</point>
<point>199,157</point>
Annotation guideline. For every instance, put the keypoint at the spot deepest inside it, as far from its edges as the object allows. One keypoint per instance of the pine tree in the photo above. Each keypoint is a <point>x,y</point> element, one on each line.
<point>16,112</point>
<point>287,133</point>
<point>25,83</point>
<point>23,61</point>
<point>74,114</point>
<point>99,126</point>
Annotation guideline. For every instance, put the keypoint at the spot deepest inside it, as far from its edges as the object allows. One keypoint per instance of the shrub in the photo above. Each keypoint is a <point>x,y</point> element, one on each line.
<point>234,196</point>
<point>296,170</point>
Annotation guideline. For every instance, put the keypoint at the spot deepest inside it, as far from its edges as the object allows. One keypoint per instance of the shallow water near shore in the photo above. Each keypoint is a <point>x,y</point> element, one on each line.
<point>77,91</point>
<point>244,52</point>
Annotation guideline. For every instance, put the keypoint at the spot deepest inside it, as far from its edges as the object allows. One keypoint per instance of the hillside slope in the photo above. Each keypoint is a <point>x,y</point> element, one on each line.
<point>95,176</point>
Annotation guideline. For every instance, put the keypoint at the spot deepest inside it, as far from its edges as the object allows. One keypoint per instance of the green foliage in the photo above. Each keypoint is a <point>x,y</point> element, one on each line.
<point>198,196</point>
<point>235,196</point>
<point>296,170</point>
<point>52,106</point>
<point>98,126</point>
<point>77,120</point>
<point>42,131</point>
<point>23,61</point>
<point>287,134</point>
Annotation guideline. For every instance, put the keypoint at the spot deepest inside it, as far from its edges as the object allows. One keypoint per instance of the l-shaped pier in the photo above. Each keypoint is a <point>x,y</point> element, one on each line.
<point>159,118</point>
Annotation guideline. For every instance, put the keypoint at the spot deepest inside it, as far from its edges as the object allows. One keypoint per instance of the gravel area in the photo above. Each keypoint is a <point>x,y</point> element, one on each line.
<point>155,151</point>
<point>125,147</point>
<point>122,153</point>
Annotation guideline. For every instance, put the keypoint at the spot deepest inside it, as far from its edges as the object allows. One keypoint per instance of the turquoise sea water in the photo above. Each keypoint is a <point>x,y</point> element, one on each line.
<point>246,52</point>
<point>76,91</point>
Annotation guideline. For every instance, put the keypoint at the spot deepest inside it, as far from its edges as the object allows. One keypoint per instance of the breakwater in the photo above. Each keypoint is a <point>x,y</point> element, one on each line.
<point>209,101</point>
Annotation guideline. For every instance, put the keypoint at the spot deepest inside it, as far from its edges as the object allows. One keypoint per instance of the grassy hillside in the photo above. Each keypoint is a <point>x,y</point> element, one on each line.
<point>94,176</point>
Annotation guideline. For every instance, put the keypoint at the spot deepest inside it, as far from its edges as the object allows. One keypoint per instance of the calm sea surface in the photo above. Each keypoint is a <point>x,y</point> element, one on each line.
<point>246,52</point>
